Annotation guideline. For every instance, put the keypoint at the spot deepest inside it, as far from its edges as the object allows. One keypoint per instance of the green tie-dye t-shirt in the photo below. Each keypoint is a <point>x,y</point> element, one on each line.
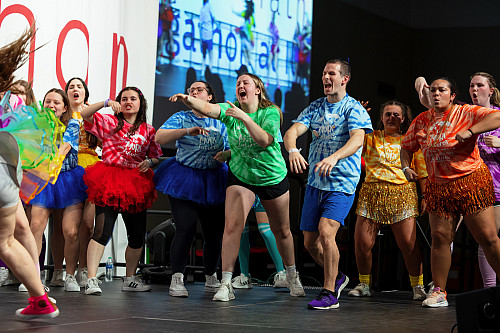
<point>251,163</point>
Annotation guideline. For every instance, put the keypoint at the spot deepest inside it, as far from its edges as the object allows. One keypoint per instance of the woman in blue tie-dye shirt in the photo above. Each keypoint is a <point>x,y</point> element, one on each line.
<point>195,182</point>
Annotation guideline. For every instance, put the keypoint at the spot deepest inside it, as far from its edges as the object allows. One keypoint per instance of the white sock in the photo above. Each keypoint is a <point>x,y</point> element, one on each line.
<point>291,270</point>
<point>227,276</point>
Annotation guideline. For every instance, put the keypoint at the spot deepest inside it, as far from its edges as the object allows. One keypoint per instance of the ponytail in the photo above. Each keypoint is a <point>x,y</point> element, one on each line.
<point>495,98</point>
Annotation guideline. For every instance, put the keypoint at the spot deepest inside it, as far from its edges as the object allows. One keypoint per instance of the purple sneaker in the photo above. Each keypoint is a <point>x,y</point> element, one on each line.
<point>325,300</point>
<point>341,284</point>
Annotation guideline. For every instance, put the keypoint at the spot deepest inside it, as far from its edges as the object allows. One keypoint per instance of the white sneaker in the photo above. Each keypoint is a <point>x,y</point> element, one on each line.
<point>419,293</point>
<point>134,283</point>
<point>436,299</point>
<point>22,288</point>
<point>4,274</point>
<point>82,276</point>
<point>177,288</point>
<point>225,292</point>
<point>57,278</point>
<point>361,290</point>
<point>431,288</point>
<point>70,284</point>
<point>11,279</point>
<point>293,283</point>
<point>212,284</point>
<point>242,282</point>
<point>92,287</point>
<point>280,280</point>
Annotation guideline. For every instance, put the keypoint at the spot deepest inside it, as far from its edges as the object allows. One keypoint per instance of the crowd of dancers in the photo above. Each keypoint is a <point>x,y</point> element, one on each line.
<point>229,161</point>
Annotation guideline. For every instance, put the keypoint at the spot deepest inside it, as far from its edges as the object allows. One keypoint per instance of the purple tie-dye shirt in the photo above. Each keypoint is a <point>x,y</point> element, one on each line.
<point>491,157</point>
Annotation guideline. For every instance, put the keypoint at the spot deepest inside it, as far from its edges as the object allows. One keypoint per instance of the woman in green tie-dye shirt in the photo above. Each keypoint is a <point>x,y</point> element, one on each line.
<point>256,168</point>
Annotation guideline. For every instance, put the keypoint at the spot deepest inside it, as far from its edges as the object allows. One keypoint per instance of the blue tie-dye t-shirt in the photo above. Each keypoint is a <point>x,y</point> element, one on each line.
<point>71,135</point>
<point>330,125</point>
<point>198,151</point>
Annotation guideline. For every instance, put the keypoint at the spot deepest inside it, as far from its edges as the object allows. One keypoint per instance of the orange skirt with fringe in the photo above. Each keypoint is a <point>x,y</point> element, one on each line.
<point>462,196</point>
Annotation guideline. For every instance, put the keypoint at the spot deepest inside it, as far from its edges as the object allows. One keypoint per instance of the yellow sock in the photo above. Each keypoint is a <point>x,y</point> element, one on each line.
<point>367,279</point>
<point>417,280</point>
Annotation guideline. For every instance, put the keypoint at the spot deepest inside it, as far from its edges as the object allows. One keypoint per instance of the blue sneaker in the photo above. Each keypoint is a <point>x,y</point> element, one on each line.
<point>340,284</point>
<point>325,300</point>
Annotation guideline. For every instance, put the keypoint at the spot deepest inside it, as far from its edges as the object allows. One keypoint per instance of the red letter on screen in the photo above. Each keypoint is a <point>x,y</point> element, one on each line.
<point>114,64</point>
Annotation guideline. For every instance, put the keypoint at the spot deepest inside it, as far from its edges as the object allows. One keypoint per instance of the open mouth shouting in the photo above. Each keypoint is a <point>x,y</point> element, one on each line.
<point>474,96</point>
<point>242,93</point>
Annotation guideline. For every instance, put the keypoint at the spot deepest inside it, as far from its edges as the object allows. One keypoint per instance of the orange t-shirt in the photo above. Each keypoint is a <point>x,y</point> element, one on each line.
<point>383,164</point>
<point>446,158</point>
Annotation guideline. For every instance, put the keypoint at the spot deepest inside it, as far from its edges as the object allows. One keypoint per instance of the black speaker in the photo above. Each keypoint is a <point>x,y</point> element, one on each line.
<point>478,310</point>
<point>159,240</point>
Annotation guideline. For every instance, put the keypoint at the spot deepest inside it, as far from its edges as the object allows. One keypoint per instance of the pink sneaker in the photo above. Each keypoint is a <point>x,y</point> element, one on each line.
<point>39,307</point>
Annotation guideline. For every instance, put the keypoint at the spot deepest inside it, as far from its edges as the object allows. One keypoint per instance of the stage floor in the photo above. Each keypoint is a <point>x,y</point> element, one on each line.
<point>261,309</point>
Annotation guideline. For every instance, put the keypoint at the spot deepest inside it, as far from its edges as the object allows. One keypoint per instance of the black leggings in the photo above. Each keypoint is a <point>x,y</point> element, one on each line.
<point>105,218</point>
<point>186,214</point>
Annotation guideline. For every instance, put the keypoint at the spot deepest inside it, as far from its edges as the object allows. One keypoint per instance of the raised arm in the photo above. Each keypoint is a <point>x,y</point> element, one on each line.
<point>258,134</point>
<point>208,109</point>
<point>164,136</point>
<point>488,123</point>
<point>423,91</point>
<point>88,112</point>
<point>64,149</point>
<point>357,137</point>
<point>297,162</point>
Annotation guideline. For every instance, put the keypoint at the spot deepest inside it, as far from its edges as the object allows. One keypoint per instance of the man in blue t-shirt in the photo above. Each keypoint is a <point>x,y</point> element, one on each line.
<point>338,124</point>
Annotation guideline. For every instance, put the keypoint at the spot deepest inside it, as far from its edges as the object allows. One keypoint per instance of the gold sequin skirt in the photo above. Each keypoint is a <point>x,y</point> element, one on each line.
<point>462,196</point>
<point>387,203</point>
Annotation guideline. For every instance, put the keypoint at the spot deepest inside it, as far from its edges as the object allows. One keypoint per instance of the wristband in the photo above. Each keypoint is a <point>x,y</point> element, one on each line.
<point>404,169</point>
<point>150,161</point>
<point>187,130</point>
<point>472,133</point>
<point>294,150</point>
<point>106,103</point>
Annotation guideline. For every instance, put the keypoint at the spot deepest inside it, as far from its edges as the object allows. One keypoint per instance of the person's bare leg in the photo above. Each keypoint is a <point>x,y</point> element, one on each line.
<point>405,233</point>
<point>327,232</point>
<point>279,220</point>
<point>239,201</point>
<point>365,235</point>
<point>23,233</point>
<point>16,256</point>
<point>57,242</point>
<point>482,226</point>
<point>132,257</point>
<point>94,256</point>
<point>443,233</point>
<point>39,218</point>
<point>72,217</point>
<point>85,232</point>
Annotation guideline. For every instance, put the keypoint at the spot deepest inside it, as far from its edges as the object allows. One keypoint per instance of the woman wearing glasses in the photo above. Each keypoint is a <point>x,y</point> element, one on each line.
<point>195,182</point>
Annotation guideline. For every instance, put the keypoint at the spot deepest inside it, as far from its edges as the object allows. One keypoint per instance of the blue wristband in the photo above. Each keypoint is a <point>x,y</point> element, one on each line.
<point>106,103</point>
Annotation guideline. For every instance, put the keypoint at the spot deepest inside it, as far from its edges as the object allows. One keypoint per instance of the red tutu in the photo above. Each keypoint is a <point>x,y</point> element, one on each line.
<point>127,190</point>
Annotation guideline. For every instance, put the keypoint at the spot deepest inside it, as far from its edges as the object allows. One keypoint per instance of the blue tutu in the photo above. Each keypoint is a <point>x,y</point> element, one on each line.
<point>203,186</point>
<point>68,190</point>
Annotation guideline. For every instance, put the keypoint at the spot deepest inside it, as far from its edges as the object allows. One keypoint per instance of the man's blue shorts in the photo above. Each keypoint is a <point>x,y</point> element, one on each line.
<point>328,204</point>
